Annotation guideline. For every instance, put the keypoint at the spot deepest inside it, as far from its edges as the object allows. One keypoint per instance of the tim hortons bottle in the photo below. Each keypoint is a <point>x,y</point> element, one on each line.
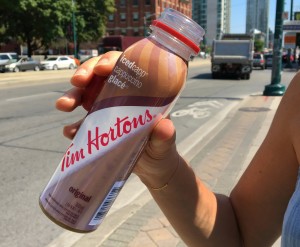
<point>142,88</point>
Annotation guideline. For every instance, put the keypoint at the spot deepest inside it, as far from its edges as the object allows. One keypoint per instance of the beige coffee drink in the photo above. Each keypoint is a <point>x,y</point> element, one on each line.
<point>141,89</point>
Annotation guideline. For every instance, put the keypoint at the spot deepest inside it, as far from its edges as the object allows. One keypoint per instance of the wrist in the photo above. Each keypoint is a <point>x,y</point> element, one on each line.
<point>163,176</point>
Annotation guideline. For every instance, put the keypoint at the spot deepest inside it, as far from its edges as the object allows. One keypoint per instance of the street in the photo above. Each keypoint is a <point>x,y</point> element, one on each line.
<point>32,143</point>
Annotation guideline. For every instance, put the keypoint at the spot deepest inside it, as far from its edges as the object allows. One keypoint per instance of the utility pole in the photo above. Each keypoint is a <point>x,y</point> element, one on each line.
<point>276,88</point>
<point>74,30</point>
<point>291,11</point>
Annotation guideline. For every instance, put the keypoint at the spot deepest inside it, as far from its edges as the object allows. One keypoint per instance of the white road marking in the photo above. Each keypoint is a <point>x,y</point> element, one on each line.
<point>28,97</point>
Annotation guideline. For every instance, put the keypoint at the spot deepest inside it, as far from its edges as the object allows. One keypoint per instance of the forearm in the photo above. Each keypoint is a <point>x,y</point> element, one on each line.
<point>200,217</point>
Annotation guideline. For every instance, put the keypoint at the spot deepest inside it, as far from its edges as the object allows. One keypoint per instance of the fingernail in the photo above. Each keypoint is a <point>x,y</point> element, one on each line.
<point>80,71</point>
<point>103,61</point>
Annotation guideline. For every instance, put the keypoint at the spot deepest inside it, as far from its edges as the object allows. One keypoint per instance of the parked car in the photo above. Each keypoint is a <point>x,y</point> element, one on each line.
<point>7,58</point>
<point>269,60</point>
<point>259,60</point>
<point>24,64</point>
<point>60,62</point>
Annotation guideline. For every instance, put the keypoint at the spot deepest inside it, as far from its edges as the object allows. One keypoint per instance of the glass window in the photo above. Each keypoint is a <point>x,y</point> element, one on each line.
<point>14,56</point>
<point>123,16</point>
<point>135,2</point>
<point>148,2</point>
<point>135,16</point>
<point>136,32</point>
<point>4,57</point>
<point>123,31</point>
<point>122,3</point>
<point>111,17</point>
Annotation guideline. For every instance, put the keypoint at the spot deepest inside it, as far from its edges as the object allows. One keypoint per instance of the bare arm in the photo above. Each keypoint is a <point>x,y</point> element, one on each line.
<point>199,216</point>
<point>253,215</point>
<point>261,197</point>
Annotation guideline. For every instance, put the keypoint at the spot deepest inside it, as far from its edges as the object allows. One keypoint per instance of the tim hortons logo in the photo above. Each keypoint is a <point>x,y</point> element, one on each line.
<point>97,139</point>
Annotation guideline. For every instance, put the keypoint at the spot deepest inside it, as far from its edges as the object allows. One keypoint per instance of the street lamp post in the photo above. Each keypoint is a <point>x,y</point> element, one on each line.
<point>74,30</point>
<point>276,88</point>
<point>291,12</point>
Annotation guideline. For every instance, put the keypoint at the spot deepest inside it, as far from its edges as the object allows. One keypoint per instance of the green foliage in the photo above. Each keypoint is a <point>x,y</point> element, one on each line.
<point>40,22</point>
<point>91,18</point>
<point>259,45</point>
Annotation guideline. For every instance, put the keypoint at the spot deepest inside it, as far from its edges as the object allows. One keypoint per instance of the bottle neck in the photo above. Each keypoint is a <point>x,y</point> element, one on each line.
<point>173,40</point>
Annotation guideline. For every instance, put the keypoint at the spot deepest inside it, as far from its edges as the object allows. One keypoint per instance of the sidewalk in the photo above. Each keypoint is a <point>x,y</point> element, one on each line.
<point>221,159</point>
<point>197,61</point>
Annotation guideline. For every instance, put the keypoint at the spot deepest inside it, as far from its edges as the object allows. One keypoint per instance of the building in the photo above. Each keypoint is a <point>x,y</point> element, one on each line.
<point>132,17</point>
<point>291,32</point>
<point>257,17</point>
<point>213,16</point>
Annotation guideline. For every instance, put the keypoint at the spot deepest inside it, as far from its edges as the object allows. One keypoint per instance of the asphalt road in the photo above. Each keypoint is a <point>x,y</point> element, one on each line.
<point>31,141</point>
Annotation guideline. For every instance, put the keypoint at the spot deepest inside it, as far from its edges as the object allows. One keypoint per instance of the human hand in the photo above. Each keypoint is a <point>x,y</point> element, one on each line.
<point>87,81</point>
<point>159,159</point>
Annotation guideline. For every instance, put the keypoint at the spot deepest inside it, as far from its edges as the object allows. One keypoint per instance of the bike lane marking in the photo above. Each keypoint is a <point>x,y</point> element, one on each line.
<point>198,110</point>
<point>186,145</point>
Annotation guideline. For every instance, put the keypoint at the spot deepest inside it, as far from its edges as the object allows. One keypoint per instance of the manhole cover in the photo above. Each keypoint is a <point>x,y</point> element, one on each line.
<point>254,109</point>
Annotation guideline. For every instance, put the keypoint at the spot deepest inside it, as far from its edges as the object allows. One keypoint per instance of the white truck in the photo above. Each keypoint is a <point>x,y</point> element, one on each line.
<point>232,57</point>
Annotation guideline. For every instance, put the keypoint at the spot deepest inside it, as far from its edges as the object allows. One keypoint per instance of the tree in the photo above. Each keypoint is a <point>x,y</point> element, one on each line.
<point>34,22</point>
<point>40,22</point>
<point>91,18</point>
<point>259,45</point>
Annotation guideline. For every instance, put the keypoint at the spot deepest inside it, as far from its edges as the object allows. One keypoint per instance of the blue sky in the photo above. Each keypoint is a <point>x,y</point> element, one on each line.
<point>238,13</point>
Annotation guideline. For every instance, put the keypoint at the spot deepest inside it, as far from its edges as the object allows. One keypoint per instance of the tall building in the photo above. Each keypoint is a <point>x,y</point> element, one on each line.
<point>132,17</point>
<point>213,16</point>
<point>257,16</point>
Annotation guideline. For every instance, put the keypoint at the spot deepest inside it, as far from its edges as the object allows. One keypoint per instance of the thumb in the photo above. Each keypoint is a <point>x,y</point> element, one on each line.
<point>162,140</point>
<point>160,155</point>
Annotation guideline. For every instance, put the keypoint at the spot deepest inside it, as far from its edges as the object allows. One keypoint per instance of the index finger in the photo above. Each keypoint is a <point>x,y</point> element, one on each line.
<point>106,63</point>
<point>84,73</point>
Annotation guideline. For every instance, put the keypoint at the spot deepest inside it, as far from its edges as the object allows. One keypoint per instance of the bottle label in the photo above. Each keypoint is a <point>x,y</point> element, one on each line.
<point>108,201</point>
<point>102,131</point>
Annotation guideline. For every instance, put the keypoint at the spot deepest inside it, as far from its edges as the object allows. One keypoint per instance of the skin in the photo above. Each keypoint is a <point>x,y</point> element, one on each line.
<point>253,213</point>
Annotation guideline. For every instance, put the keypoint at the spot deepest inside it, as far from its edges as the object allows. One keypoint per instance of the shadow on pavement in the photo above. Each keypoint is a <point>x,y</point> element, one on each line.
<point>208,76</point>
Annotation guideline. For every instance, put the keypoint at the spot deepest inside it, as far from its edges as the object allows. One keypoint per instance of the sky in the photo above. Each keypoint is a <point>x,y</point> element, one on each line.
<point>238,13</point>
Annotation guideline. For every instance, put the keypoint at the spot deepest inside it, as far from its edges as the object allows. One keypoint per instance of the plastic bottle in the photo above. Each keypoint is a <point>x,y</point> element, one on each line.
<point>141,89</point>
